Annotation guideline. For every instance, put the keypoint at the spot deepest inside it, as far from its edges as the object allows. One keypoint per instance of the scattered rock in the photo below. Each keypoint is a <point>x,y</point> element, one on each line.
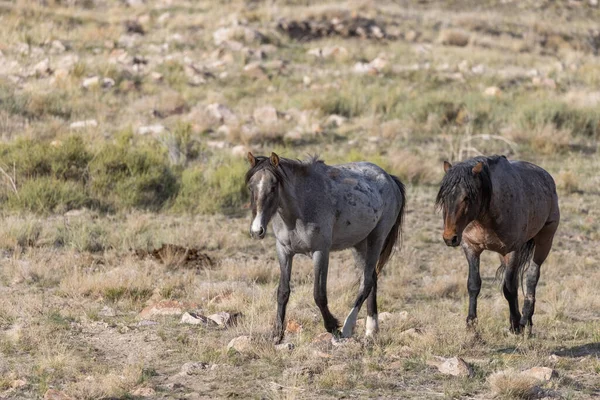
<point>542,374</point>
<point>453,37</point>
<point>108,83</point>
<point>156,76</point>
<point>285,347</point>
<point>163,307</point>
<point>492,91</point>
<point>221,113</point>
<point>226,319</point>
<point>266,115</point>
<point>373,68</point>
<point>156,129</point>
<point>241,344</point>
<point>195,319</point>
<point>91,82</point>
<point>337,52</point>
<point>88,123</point>
<point>347,25</point>
<point>410,333</point>
<point>545,82</point>
<point>239,151</point>
<point>335,121</point>
<point>243,33</point>
<point>147,322</point>
<point>255,70</point>
<point>53,394</point>
<point>42,68</point>
<point>193,368</point>
<point>293,326</point>
<point>57,47</point>
<point>107,312</point>
<point>323,342</point>
<point>144,392</point>
<point>454,366</point>
<point>18,383</point>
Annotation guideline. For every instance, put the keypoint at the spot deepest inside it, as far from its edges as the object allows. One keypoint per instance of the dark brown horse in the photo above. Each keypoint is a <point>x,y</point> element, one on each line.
<point>510,207</point>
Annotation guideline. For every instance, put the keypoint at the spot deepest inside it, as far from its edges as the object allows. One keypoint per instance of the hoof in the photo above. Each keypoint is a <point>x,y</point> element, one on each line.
<point>471,323</point>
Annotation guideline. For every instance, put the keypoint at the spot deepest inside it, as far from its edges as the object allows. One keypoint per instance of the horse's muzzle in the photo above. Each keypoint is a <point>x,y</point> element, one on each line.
<point>453,241</point>
<point>260,234</point>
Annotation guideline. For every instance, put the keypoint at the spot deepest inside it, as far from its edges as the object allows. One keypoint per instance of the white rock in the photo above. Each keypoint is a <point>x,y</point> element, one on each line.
<point>540,373</point>
<point>107,312</point>
<point>193,319</point>
<point>239,150</point>
<point>108,83</point>
<point>42,68</point>
<point>265,115</point>
<point>193,368</point>
<point>88,123</point>
<point>240,344</point>
<point>221,113</point>
<point>285,347</point>
<point>455,366</point>
<point>57,47</point>
<point>335,121</point>
<point>492,91</point>
<point>91,82</point>
<point>151,129</point>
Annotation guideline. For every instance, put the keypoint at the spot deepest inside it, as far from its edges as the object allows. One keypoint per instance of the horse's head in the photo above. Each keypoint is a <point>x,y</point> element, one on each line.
<point>263,180</point>
<point>464,194</point>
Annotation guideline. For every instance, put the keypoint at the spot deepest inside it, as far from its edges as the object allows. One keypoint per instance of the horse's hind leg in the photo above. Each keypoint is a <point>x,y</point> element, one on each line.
<point>321,265</point>
<point>366,256</point>
<point>543,244</point>
<point>510,287</point>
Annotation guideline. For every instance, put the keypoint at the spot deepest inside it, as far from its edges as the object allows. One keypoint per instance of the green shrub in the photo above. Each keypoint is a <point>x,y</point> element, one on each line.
<point>579,121</point>
<point>47,194</point>
<point>213,188</point>
<point>132,177</point>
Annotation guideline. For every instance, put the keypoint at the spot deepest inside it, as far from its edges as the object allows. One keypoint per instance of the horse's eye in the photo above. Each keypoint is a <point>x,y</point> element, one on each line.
<point>272,189</point>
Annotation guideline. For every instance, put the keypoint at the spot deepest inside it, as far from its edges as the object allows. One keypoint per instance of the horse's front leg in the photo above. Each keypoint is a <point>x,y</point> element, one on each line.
<point>283,291</point>
<point>473,284</point>
<point>321,265</point>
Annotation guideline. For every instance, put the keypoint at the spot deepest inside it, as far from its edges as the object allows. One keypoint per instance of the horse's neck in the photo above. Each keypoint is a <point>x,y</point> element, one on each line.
<point>290,201</point>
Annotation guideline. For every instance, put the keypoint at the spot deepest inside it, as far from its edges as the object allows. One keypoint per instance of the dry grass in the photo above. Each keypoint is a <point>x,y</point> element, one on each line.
<point>72,286</point>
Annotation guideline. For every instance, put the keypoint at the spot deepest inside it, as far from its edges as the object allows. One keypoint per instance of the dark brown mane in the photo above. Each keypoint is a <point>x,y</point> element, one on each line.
<point>285,165</point>
<point>461,175</point>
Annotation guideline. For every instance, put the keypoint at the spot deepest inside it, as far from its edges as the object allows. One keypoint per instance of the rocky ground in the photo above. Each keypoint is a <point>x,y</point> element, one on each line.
<point>112,294</point>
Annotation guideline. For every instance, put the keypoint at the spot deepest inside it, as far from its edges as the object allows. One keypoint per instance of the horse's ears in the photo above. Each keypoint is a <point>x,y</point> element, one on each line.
<point>477,168</point>
<point>447,166</point>
<point>274,160</point>
<point>251,159</point>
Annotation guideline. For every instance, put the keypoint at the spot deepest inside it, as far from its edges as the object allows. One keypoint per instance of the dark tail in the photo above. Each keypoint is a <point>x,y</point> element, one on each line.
<point>525,254</point>
<point>392,237</point>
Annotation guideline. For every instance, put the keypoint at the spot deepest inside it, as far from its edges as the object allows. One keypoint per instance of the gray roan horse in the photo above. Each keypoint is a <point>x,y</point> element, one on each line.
<point>510,207</point>
<point>317,208</point>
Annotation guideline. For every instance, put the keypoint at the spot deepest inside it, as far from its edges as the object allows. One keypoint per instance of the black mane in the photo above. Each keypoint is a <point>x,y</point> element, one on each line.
<point>461,174</point>
<point>280,173</point>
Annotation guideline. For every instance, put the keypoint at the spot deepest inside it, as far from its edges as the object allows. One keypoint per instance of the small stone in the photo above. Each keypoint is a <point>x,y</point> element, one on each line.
<point>335,121</point>
<point>163,307</point>
<point>18,383</point>
<point>239,151</point>
<point>223,318</point>
<point>93,81</point>
<point>156,76</point>
<point>107,312</point>
<point>221,113</point>
<point>323,341</point>
<point>193,368</point>
<point>410,333</point>
<point>554,358</point>
<point>53,394</point>
<point>108,83</point>
<point>492,91</point>
<point>144,392</point>
<point>241,344</point>
<point>255,70</point>
<point>88,123</point>
<point>57,47</point>
<point>194,319</point>
<point>42,68</point>
<point>543,374</point>
<point>265,115</point>
<point>285,347</point>
<point>293,326</point>
<point>411,36</point>
<point>151,129</point>
<point>454,366</point>
<point>454,38</point>
<point>147,322</point>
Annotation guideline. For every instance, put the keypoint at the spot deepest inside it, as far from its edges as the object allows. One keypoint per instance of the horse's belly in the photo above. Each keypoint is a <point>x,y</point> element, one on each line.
<point>354,229</point>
